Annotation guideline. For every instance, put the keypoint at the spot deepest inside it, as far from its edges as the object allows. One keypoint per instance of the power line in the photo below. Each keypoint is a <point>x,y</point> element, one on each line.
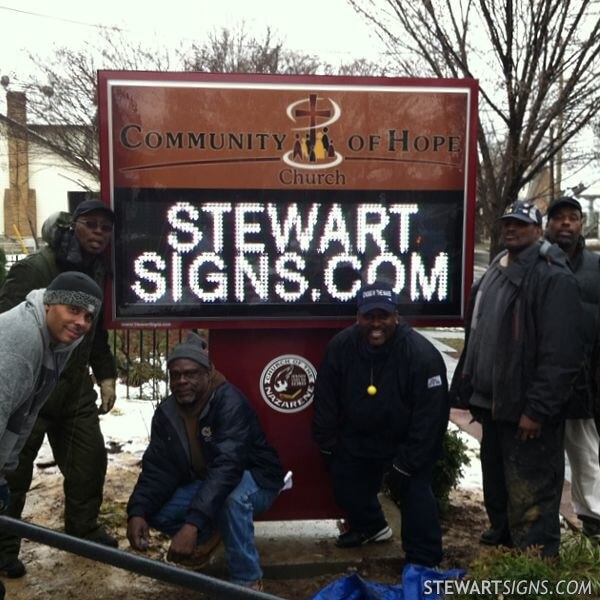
<point>46,16</point>
<point>332,50</point>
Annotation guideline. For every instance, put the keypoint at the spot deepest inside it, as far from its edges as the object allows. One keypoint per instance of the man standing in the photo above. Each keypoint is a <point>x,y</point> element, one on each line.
<point>207,471</point>
<point>381,404</point>
<point>523,354</point>
<point>564,226</point>
<point>38,337</point>
<point>70,417</point>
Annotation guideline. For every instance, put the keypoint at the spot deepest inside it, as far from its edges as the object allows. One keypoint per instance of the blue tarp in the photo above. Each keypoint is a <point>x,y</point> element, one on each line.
<point>413,587</point>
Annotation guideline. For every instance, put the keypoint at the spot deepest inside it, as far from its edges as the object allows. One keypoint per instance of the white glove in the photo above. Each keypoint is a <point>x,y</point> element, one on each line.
<point>108,395</point>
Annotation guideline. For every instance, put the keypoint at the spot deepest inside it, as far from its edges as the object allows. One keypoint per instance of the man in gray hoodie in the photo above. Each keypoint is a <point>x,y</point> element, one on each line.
<point>38,336</point>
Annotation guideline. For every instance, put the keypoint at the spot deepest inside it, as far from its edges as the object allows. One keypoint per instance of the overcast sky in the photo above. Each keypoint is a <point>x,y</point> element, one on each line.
<point>329,29</point>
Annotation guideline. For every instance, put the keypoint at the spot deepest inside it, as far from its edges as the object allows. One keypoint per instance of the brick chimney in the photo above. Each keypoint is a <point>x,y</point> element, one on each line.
<point>19,200</point>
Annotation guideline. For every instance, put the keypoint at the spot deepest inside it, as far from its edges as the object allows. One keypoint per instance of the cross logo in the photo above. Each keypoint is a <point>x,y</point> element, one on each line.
<point>314,147</point>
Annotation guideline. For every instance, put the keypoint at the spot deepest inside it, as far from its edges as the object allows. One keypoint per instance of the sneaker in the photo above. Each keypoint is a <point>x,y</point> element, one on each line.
<point>352,539</point>
<point>495,537</point>
<point>13,569</point>
<point>99,536</point>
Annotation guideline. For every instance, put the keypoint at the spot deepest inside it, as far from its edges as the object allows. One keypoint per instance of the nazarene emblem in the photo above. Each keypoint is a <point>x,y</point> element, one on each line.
<point>287,383</point>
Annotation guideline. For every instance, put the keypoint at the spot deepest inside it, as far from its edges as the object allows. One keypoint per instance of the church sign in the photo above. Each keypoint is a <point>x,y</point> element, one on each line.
<point>267,199</point>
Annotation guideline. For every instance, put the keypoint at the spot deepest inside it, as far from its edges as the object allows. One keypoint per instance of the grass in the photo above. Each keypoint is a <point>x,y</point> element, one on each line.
<point>523,575</point>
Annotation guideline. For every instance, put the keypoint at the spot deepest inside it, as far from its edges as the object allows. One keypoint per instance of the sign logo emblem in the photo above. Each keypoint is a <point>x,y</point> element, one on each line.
<point>313,146</point>
<point>287,383</point>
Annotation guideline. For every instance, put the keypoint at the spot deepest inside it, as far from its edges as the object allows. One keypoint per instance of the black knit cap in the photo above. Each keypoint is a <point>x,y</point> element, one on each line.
<point>92,205</point>
<point>74,289</point>
<point>194,348</point>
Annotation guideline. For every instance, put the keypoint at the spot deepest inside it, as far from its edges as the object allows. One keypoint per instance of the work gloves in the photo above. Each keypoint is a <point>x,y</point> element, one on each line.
<point>108,395</point>
<point>4,497</point>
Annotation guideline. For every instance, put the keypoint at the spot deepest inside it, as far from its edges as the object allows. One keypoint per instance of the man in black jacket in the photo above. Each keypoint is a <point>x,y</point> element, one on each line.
<point>207,471</point>
<point>517,371</point>
<point>381,405</point>
<point>564,228</point>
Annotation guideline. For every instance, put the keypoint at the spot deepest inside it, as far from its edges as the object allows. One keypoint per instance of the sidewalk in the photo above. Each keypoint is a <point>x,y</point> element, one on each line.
<point>299,549</point>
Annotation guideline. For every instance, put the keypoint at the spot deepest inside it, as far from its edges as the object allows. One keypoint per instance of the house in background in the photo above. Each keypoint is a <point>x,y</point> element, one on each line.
<point>540,191</point>
<point>35,181</point>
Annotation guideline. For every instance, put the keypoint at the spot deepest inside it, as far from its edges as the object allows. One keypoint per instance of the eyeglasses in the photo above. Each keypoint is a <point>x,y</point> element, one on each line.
<point>188,374</point>
<point>93,224</point>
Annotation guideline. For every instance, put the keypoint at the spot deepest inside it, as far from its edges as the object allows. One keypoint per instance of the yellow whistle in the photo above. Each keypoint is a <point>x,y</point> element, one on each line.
<point>371,390</point>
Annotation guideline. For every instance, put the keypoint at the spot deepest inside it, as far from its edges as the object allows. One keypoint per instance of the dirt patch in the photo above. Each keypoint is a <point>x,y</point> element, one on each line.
<point>57,574</point>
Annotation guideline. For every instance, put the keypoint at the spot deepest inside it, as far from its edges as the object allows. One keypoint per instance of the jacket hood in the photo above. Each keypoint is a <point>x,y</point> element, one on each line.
<point>58,233</point>
<point>553,252</point>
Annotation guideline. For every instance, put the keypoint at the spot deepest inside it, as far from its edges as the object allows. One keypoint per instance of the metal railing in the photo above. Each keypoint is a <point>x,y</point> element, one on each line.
<point>141,359</point>
<point>216,588</point>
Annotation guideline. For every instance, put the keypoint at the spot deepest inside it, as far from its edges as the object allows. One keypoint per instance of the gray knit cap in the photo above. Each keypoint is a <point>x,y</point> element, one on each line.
<point>75,289</point>
<point>194,348</point>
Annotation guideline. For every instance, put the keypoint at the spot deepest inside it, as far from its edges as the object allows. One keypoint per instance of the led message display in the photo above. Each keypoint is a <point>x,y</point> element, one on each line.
<point>210,253</point>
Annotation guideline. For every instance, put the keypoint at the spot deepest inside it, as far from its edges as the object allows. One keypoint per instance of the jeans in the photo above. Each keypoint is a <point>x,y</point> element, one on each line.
<point>235,522</point>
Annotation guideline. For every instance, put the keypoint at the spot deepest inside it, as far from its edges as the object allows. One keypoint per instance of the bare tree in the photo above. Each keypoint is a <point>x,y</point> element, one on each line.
<point>234,51</point>
<point>361,67</point>
<point>538,67</point>
<point>62,108</point>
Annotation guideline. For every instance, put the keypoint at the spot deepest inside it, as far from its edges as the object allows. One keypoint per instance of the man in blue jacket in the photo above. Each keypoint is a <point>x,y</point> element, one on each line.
<point>207,471</point>
<point>381,405</point>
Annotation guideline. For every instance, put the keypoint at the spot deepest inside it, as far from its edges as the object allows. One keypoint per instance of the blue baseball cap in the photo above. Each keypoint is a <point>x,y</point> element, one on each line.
<point>523,210</point>
<point>378,295</point>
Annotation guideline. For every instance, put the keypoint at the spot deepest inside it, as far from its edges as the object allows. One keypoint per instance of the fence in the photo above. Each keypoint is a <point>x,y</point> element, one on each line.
<point>141,359</point>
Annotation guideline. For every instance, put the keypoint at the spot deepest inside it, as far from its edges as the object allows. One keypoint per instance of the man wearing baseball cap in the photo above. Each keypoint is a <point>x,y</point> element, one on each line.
<point>70,416</point>
<point>564,227</point>
<point>37,339</point>
<point>516,372</point>
<point>381,406</point>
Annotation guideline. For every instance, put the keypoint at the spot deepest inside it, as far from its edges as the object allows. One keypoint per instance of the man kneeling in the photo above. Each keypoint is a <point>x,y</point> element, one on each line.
<point>207,470</point>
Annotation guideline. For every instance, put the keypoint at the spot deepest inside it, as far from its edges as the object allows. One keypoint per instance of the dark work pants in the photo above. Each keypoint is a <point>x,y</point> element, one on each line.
<point>356,483</point>
<point>78,448</point>
<point>523,481</point>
